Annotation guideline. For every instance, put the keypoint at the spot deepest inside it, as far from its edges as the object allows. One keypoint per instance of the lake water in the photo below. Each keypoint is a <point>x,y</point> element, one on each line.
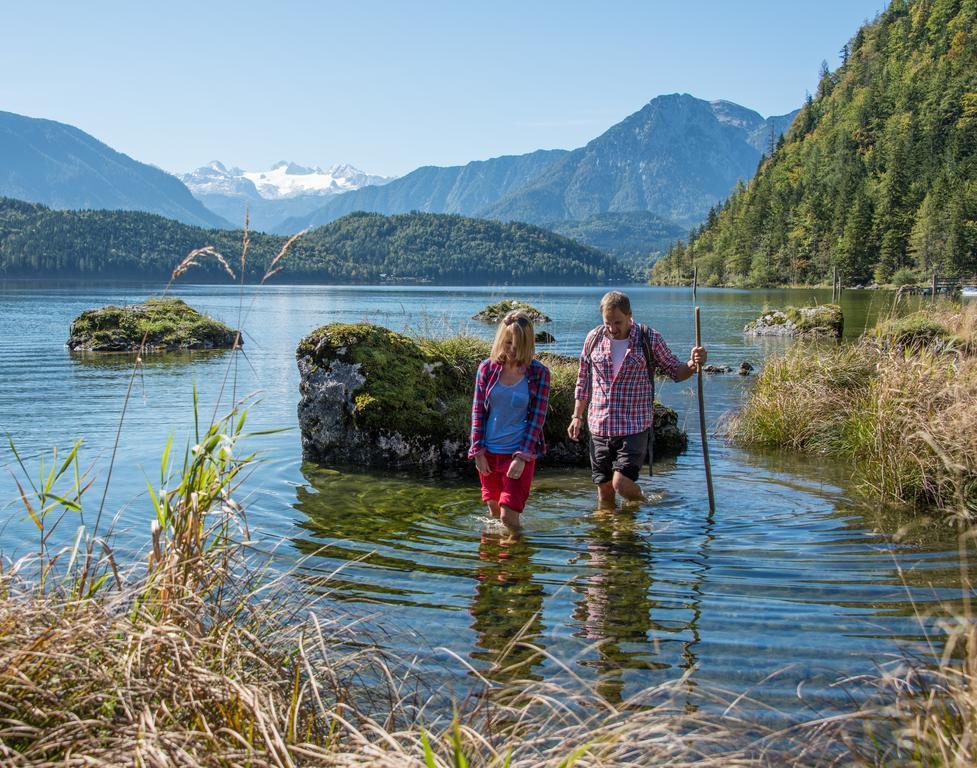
<point>791,586</point>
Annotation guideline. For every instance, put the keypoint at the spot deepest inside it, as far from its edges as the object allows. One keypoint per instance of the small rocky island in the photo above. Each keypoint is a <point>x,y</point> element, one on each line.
<point>821,322</point>
<point>373,397</point>
<point>493,313</point>
<point>165,324</point>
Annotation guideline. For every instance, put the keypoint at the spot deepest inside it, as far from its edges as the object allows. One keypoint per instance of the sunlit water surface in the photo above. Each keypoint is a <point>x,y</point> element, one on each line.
<point>792,586</point>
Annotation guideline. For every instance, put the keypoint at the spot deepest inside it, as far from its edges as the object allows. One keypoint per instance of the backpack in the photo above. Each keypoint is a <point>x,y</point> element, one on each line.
<point>650,364</point>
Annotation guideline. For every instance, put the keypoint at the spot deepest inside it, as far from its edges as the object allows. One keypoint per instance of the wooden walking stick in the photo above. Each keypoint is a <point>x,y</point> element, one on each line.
<point>702,420</point>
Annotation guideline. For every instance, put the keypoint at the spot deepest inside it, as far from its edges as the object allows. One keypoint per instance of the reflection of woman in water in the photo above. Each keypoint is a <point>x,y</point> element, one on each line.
<point>507,609</point>
<point>615,608</point>
<point>512,393</point>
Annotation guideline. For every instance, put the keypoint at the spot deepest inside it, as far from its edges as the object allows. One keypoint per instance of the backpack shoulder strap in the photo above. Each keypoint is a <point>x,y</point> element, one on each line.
<point>592,339</point>
<point>649,351</point>
<point>650,362</point>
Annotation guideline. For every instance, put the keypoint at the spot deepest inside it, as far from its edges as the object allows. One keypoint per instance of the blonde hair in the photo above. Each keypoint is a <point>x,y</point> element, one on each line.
<point>517,326</point>
<point>615,300</point>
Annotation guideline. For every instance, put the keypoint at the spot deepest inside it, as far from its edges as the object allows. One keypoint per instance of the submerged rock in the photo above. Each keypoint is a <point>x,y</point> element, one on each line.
<point>825,321</point>
<point>545,337</point>
<point>373,397</point>
<point>493,313</point>
<point>165,324</point>
<point>717,369</point>
<point>745,368</point>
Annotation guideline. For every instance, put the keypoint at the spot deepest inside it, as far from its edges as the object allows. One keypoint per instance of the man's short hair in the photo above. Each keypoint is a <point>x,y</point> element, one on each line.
<point>615,300</point>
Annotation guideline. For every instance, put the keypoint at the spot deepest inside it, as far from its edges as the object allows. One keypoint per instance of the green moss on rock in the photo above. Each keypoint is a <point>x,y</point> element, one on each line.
<point>493,313</point>
<point>409,388</point>
<point>823,321</point>
<point>164,324</point>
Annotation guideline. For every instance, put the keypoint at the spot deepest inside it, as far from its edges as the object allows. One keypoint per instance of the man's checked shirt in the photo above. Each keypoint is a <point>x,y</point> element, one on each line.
<point>620,405</point>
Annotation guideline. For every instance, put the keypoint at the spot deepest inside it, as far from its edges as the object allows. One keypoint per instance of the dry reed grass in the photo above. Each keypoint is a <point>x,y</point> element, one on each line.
<point>906,416</point>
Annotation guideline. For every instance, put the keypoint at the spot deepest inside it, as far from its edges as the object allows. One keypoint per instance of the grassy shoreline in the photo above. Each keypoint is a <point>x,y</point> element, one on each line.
<point>900,404</point>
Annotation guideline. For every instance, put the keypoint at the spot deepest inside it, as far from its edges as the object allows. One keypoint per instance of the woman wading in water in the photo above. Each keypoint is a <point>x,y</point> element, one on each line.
<point>512,393</point>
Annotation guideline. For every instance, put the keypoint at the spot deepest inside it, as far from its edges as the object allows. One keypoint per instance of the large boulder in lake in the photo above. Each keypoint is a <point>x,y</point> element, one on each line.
<point>156,326</point>
<point>824,321</point>
<point>373,397</point>
<point>494,313</point>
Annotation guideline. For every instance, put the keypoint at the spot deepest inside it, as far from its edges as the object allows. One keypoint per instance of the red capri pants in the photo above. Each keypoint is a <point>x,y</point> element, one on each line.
<point>498,487</point>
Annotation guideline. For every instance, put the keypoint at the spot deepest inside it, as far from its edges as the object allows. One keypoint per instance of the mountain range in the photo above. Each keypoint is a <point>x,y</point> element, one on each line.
<point>43,161</point>
<point>631,191</point>
<point>676,158</point>
<point>285,190</point>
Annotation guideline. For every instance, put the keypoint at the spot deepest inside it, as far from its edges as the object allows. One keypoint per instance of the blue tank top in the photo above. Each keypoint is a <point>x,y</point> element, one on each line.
<point>508,413</point>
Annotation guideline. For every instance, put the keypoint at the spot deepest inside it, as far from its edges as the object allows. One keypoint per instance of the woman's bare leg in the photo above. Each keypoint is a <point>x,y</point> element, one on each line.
<point>509,516</point>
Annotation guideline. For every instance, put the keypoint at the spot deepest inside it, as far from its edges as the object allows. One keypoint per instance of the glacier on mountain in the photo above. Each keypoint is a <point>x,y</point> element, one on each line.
<point>282,181</point>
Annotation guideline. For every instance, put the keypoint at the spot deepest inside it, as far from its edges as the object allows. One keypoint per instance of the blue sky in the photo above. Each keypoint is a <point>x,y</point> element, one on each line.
<point>390,86</point>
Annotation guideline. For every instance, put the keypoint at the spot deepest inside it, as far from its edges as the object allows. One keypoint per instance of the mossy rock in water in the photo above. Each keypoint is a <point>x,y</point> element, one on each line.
<point>373,397</point>
<point>824,321</point>
<point>545,337</point>
<point>494,313</point>
<point>164,324</point>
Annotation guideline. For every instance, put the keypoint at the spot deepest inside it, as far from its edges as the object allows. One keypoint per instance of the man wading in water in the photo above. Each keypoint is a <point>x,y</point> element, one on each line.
<point>614,380</point>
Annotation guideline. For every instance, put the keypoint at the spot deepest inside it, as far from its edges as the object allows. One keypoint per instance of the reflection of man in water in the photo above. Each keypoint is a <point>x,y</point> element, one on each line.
<point>615,608</point>
<point>507,609</point>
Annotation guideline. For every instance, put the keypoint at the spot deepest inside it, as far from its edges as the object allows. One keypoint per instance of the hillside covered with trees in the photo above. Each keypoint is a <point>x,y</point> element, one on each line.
<point>635,237</point>
<point>36,241</point>
<point>877,174</point>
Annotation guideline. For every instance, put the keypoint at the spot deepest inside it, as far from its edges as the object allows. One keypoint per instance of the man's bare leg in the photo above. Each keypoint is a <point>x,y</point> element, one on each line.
<point>605,495</point>
<point>629,490</point>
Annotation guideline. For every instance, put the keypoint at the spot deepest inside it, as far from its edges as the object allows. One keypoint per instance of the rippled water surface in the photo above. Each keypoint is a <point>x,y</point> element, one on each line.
<point>791,586</point>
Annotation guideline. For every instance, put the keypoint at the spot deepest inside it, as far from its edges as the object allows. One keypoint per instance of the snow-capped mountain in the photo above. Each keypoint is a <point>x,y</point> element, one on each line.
<point>283,180</point>
<point>269,197</point>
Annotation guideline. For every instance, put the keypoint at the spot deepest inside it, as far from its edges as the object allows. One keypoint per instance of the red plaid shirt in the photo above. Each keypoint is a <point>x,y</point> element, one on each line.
<point>620,405</point>
<point>538,378</point>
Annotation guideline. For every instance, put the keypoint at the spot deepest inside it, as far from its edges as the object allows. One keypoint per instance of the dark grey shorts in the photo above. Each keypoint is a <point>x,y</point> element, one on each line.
<point>624,454</point>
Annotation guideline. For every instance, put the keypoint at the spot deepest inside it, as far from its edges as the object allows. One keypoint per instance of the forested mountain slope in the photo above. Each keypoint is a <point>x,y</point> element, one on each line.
<point>36,241</point>
<point>877,173</point>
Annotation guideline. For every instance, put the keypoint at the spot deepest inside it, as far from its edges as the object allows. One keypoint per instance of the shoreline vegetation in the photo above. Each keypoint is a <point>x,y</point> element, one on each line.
<point>900,403</point>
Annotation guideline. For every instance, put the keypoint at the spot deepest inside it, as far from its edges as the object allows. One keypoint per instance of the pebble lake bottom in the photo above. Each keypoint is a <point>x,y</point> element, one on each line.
<point>794,585</point>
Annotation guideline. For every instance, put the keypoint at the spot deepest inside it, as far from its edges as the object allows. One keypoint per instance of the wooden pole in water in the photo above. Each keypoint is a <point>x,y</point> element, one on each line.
<point>933,299</point>
<point>702,420</point>
<point>834,282</point>
<point>841,283</point>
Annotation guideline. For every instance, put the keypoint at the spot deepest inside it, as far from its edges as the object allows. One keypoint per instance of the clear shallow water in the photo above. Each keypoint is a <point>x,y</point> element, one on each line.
<point>790,583</point>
